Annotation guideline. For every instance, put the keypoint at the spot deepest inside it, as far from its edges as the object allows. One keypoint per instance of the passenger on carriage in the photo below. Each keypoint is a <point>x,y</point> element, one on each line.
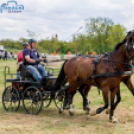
<point>32,60</point>
<point>20,59</point>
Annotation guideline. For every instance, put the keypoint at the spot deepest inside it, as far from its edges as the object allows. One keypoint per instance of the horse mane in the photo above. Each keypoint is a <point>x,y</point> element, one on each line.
<point>121,43</point>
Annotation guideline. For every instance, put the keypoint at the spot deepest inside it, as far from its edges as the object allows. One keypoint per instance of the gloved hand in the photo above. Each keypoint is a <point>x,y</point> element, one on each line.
<point>45,60</point>
<point>38,61</point>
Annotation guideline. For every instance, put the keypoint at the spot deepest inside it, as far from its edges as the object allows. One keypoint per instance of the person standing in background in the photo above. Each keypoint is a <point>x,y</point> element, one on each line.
<point>15,56</point>
<point>42,55</point>
<point>0,55</point>
<point>11,55</point>
<point>5,57</point>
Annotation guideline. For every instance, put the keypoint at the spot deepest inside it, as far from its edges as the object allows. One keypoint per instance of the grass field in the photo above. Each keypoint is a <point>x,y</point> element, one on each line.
<point>48,121</point>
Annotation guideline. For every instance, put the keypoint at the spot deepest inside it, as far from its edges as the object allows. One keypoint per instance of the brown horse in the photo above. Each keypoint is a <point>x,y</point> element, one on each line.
<point>128,82</point>
<point>80,68</point>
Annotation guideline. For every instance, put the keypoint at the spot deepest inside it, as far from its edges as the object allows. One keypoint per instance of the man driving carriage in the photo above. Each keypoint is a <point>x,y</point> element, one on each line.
<point>32,60</point>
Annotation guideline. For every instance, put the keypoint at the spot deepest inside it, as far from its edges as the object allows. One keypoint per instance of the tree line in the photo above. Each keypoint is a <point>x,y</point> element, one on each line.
<point>101,35</point>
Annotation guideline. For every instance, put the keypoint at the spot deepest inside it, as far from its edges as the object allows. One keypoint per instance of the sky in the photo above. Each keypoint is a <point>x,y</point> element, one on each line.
<point>63,17</point>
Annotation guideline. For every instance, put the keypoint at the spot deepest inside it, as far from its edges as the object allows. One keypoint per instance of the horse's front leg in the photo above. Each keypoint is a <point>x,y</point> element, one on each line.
<point>111,115</point>
<point>105,97</point>
<point>128,83</point>
<point>116,103</point>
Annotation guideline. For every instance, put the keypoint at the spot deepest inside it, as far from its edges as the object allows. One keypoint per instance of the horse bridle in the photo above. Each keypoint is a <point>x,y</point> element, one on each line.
<point>127,45</point>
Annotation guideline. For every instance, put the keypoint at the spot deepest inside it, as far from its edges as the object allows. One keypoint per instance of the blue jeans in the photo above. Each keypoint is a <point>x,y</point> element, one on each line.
<point>38,71</point>
<point>18,75</point>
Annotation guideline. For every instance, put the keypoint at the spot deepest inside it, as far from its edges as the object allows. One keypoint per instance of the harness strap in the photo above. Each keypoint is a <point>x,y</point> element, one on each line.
<point>95,80</point>
<point>113,64</point>
<point>104,75</point>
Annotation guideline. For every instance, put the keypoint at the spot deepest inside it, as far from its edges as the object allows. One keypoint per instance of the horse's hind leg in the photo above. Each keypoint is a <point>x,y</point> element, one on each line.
<point>83,91</point>
<point>105,97</point>
<point>70,93</point>
<point>70,101</point>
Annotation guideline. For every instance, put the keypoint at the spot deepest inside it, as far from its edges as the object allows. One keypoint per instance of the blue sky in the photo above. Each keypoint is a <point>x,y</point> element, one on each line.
<point>62,17</point>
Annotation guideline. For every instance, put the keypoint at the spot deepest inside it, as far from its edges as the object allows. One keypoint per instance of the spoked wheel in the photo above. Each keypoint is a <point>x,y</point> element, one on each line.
<point>61,100</point>
<point>32,100</point>
<point>11,99</point>
<point>46,99</point>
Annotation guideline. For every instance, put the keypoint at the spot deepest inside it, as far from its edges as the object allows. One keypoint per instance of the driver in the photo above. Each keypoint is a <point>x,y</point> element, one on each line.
<point>32,60</point>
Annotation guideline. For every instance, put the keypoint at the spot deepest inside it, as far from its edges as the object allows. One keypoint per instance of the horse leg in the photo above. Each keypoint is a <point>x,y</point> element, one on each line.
<point>83,91</point>
<point>105,97</point>
<point>86,101</point>
<point>70,93</point>
<point>70,101</point>
<point>111,115</point>
<point>128,83</point>
<point>116,103</point>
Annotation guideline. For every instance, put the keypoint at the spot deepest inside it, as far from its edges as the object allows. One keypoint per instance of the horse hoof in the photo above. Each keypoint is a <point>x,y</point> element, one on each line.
<point>60,111</point>
<point>87,111</point>
<point>108,111</point>
<point>114,120</point>
<point>71,113</point>
<point>93,113</point>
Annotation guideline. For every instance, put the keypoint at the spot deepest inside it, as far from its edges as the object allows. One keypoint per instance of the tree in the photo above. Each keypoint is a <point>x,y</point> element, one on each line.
<point>98,29</point>
<point>116,34</point>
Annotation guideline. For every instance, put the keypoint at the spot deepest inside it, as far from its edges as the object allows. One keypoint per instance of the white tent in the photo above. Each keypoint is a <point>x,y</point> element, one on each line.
<point>2,48</point>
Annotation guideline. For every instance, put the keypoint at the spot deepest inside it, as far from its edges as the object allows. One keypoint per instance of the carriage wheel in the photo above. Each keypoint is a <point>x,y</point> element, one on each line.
<point>32,100</point>
<point>11,99</point>
<point>46,99</point>
<point>60,100</point>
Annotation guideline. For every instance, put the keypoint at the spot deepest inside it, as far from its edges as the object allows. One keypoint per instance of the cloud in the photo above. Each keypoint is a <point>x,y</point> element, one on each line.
<point>62,17</point>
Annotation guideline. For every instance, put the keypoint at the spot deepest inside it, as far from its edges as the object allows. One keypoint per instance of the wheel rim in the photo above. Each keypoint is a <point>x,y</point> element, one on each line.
<point>59,102</point>
<point>32,100</point>
<point>46,99</point>
<point>11,99</point>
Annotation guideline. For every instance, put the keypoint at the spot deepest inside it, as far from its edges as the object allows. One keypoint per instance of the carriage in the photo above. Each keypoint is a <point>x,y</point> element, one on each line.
<point>34,95</point>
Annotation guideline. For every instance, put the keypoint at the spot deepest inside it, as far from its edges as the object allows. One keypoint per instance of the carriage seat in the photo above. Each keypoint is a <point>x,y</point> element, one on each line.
<point>26,73</point>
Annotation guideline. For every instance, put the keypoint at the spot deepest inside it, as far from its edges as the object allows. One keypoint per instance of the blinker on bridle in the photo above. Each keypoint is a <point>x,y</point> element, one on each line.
<point>128,49</point>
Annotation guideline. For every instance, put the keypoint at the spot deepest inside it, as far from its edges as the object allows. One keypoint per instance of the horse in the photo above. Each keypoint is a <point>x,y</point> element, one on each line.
<point>80,69</point>
<point>128,82</point>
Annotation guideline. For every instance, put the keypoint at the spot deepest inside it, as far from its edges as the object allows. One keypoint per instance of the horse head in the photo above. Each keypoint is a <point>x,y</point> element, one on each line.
<point>130,46</point>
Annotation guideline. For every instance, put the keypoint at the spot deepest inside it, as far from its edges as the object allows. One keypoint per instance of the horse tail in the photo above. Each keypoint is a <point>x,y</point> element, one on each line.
<point>59,79</point>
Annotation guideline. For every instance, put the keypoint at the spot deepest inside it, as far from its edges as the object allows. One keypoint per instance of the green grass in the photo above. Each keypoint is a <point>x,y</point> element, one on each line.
<point>48,121</point>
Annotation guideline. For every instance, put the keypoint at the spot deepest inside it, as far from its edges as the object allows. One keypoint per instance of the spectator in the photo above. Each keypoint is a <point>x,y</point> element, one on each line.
<point>15,56</point>
<point>42,55</point>
<point>46,54</point>
<point>11,55</point>
<point>0,55</point>
<point>8,55</point>
<point>5,57</point>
